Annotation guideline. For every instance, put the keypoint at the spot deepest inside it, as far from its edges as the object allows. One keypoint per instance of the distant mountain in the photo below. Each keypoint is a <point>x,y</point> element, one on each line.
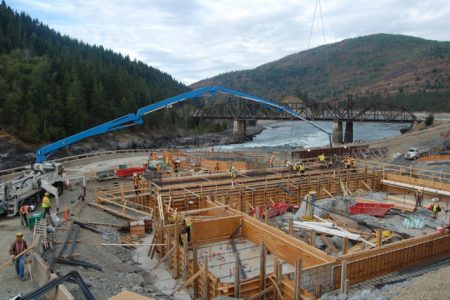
<point>52,85</point>
<point>382,66</point>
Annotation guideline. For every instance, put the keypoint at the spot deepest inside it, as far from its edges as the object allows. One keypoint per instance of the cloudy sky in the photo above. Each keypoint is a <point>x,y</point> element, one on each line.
<point>197,39</point>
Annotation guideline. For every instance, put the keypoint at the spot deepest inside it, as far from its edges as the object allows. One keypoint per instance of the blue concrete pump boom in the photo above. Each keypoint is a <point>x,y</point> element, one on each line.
<point>132,119</point>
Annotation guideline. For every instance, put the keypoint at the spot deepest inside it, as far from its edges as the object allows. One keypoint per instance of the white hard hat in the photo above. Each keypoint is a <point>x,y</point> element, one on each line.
<point>434,200</point>
<point>32,207</point>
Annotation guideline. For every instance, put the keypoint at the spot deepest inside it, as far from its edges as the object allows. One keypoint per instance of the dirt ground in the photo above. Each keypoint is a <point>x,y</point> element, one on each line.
<point>121,268</point>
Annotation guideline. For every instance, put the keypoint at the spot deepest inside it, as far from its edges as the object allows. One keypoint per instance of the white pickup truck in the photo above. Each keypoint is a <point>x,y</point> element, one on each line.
<point>416,152</point>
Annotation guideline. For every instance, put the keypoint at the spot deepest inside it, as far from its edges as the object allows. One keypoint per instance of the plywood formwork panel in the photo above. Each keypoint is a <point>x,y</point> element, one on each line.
<point>220,228</point>
<point>371,263</point>
<point>283,245</point>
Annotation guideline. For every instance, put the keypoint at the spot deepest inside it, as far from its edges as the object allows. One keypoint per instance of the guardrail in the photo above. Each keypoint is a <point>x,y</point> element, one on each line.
<point>410,171</point>
<point>78,157</point>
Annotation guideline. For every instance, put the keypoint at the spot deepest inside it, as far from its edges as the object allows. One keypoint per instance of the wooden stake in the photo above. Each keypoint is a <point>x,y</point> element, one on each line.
<point>194,269</point>
<point>206,282</point>
<point>344,246</point>
<point>266,216</point>
<point>262,269</point>
<point>237,277</point>
<point>176,246</point>
<point>291,226</point>
<point>298,279</point>
<point>276,263</point>
<point>186,257</point>
<point>344,277</point>
<point>379,237</point>
<point>312,240</point>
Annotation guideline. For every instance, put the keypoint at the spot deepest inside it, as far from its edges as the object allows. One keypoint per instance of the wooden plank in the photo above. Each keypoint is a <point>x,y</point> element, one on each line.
<point>298,279</point>
<point>328,242</point>
<point>262,267</point>
<point>196,211</point>
<point>112,211</point>
<point>191,279</point>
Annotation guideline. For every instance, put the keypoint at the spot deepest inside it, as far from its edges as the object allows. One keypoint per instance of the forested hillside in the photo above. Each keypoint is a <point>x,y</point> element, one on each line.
<point>395,68</point>
<point>52,85</point>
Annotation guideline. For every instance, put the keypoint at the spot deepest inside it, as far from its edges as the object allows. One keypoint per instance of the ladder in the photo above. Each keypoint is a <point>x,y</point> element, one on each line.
<point>40,229</point>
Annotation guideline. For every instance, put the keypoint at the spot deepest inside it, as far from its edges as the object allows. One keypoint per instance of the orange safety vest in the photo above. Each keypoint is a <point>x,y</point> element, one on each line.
<point>24,210</point>
<point>21,248</point>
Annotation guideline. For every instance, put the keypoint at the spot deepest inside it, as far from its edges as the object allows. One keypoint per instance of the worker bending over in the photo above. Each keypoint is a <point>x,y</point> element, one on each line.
<point>288,165</point>
<point>17,247</point>
<point>435,208</point>
<point>46,204</point>
<point>24,211</point>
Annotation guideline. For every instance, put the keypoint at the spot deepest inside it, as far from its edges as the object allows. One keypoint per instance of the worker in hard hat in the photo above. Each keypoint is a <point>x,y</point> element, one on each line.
<point>171,218</point>
<point>347,161</point>
<point>322,160</point>
<point>186,228</point>
<point>46,204</point>
<point>136,182</point>
<point>288,165</point>
<point>301,167</point>
<point>24,211</point>
<point>233,174</point>
<point>435,208</point>
<point>17,247</point>
<point>271,160</point>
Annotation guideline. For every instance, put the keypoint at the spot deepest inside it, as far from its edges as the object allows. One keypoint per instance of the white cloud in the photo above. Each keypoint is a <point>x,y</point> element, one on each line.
<point>193,40</point>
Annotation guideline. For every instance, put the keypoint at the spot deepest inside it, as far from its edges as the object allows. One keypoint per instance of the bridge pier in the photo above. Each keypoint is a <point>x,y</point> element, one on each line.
<point>337,132</point>
<point>348,132</point>
<point>239,127</point>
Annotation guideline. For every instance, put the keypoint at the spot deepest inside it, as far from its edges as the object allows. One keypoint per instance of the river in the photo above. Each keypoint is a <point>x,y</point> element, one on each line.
<point>288,135</point>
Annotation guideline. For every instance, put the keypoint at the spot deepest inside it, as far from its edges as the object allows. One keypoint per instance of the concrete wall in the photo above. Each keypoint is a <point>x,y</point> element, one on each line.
<point>42,274</point>
<point>40,269</point>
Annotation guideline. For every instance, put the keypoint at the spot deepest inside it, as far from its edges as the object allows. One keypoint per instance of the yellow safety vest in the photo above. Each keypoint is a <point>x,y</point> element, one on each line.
<point>302,167</point>
<point>46,202</point>
<point>322,158</point>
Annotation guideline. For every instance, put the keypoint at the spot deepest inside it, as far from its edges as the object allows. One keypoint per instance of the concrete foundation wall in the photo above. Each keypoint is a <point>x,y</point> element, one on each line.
<point>42,274</point>
<point>40,269</point>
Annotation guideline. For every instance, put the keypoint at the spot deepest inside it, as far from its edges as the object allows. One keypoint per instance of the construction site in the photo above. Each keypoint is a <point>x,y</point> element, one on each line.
<point>201,225</point>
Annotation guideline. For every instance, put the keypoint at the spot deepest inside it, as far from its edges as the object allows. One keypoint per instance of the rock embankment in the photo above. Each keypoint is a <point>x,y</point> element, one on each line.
<point>15,154</point>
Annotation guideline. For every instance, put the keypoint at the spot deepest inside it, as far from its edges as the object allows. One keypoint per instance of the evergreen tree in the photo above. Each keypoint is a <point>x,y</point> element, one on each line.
<point>52,85</point>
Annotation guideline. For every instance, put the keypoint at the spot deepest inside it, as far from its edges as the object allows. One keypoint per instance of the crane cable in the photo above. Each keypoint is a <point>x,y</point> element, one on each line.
<point>318,4</point>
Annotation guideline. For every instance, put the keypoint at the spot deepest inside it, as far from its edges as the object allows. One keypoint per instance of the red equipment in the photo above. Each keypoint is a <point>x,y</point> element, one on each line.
<point>129,171</point>
<point>371,209</point>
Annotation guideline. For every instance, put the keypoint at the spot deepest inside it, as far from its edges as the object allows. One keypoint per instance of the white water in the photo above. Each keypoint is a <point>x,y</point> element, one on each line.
<point>294,134</point>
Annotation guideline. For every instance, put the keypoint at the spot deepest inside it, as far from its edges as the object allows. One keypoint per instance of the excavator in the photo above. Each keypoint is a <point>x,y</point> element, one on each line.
<point>44,175</point>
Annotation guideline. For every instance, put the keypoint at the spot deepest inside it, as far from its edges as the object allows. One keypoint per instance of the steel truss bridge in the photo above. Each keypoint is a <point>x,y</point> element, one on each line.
<point>346,110</point>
